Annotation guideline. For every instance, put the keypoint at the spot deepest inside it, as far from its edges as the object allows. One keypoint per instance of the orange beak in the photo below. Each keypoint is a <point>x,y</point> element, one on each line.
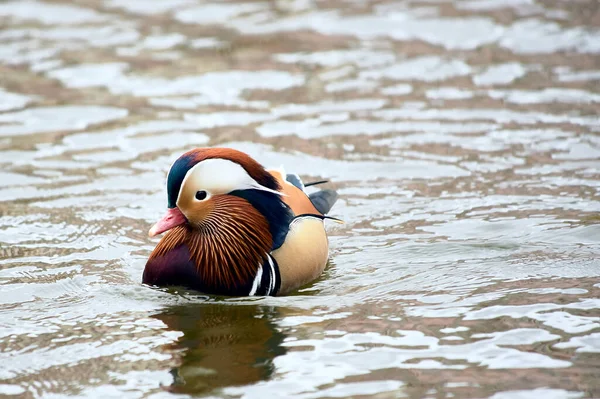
<point>172,218</point>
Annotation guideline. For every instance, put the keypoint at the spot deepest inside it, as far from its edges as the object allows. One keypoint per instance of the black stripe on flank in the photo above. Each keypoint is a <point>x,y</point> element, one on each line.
<point>277,276</point>
<point>271,279</point>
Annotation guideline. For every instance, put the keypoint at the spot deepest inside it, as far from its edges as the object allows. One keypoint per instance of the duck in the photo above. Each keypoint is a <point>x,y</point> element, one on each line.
<point>235,228</point>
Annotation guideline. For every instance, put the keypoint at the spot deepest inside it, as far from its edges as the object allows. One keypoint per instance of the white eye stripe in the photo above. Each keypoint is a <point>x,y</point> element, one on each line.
<point>219,176</point>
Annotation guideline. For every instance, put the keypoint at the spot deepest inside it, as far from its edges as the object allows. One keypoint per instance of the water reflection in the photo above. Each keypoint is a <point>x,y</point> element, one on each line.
<point>222,345</point>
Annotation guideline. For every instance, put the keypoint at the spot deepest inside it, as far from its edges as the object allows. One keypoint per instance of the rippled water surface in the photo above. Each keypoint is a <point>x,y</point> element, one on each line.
<point>462,136</point>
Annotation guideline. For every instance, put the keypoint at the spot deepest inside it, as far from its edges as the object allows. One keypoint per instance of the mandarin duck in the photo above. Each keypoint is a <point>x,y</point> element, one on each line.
<point>234,228</point>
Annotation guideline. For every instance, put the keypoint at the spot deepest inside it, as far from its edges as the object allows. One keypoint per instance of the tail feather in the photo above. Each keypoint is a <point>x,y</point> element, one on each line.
<point>323,200</point>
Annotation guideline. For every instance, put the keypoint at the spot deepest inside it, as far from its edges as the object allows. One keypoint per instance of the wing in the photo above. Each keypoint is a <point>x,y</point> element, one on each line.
<point>294,197</point>
<point>319,202</point>
<point>295,180</point>
<point>323,200</point>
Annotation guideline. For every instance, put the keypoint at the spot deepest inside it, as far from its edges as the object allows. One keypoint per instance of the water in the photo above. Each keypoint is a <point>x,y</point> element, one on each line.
<point>462,136</point>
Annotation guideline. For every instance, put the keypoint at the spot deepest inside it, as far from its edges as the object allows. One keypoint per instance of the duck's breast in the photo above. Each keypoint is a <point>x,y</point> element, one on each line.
<point>172,268</point>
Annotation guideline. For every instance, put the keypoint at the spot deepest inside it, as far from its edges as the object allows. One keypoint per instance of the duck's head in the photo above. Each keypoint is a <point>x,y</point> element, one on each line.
<point>204,182</point>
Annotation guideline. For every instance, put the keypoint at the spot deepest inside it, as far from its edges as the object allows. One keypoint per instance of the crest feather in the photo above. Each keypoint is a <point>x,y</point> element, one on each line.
<point>191,158</point>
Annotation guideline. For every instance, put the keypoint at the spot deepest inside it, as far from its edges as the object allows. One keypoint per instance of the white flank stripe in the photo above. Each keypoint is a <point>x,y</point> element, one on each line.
<point>256,281</point>
<point>273,275</point>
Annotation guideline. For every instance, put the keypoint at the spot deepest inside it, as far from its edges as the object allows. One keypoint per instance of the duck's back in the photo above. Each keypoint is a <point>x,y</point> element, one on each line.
<point>294,197</point>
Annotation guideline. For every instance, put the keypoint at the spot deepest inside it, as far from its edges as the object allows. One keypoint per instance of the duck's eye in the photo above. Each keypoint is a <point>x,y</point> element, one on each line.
<point>201,195</point>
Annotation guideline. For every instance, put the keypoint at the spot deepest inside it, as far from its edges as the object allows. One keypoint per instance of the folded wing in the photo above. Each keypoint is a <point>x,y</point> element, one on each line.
<point>319,202</point>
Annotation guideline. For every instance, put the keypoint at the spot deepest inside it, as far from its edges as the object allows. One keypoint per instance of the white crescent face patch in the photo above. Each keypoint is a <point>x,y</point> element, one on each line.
<point>218,176</point>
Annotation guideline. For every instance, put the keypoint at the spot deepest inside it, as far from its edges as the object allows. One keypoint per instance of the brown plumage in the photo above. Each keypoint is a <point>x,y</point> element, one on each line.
<point>227,246</point>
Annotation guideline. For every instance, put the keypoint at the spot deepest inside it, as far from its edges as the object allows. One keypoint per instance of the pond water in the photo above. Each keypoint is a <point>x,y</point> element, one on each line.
<point>462,136</point>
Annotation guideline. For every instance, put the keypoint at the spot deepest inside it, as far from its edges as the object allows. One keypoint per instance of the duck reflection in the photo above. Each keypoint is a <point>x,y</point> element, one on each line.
<point>223,345</point>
